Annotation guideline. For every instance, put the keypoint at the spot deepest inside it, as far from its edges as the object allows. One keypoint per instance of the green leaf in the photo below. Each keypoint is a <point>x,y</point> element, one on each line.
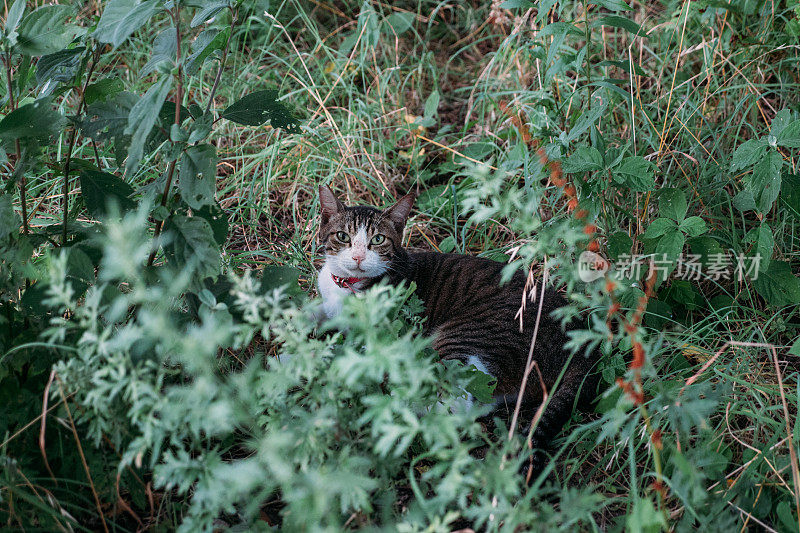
<point>744,201</point>
<point>60,66</point>
<point>45,32</point>
<point>790,194</point>
<point>644,518</point>
<point>637,173</point>
<point>765,181</point>
<point>795,349</point>
<point>14,17</point>
<point>193,245</point>
<point>748,153</point>
<point>448,244</point>
<point>217,219</point>
<point>107,120</point>
<point>165,47</point>
<point>9,221</point>
<point>584,159</point>
<point>672,204</point>
<point>398,23</point>
<point>142,118</point>
<point>778,285</point>
<point>198,175</point>
<point>693,226</point>
<point>706,247</point>
<point>121,18</point>
<point>277,276</point>
<point>619,243</point>
<point>670,246</point>
<point>37,120</point>
<point>431,104</point>
<point>764,243</point>
<point>99,189</point>
<point>100,91</point>
<point>208,42</point>
<point>481,385</point>
<point>659,227</point>
<point>208,11</point>
<point>256,108</point>
<point>617,21</point>
<point>782,119</point>
<point>615,5</point>
<point>789,137</point>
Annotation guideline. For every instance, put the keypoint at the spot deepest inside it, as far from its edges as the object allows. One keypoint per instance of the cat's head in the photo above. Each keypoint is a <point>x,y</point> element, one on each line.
<point>360,241</point>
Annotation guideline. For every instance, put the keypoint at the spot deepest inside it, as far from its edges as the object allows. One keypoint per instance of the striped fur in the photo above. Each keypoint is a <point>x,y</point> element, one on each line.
<point>470,314</point>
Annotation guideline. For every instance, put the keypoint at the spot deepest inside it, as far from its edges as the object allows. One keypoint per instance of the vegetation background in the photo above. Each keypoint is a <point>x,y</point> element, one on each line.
<point>161,366</point>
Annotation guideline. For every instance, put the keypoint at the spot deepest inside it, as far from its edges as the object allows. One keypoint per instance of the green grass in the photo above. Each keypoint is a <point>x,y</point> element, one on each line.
<point>709,81</point>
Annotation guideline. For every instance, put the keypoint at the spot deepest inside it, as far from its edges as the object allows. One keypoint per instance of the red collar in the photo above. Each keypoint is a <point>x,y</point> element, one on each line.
<point>346,283</point>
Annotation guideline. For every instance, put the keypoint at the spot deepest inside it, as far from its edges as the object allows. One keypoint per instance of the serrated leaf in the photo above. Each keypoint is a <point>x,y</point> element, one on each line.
<point>101,90</point>
<point>584,159</point>
<point>778,285</point>
<point>9,220</point>
<point>193,244</point>
<point>789,136</point>
<point>617,21</point>
<point>744,201</point>
<point>98,189</point>
<point>481,385</point>
<point>256,108</point>
<point>107,120</point>
<point>693,226</point>
<point>619,243</point>
<point>198,175</point>
<point>142,118</point>
<point>208,11</point>
<point>14,17</point>
<point>45,32</point>
<point>748,153</point>
<point>670,246</point>
<point>764,242</point>
<point>644,518</point>
<point>790,194</point>
<point>765,181</point>
<point>659,227</point>
<point>706,247</point>
<point>276,276</point>
<point>637,173</point>
<point>60,66</point>
<point>217,219</point>
<point>782,119</point>
<point>672,204</point>
<point>206,43</point>
<point>37,120</point>
<point>165,47</point>
<point>615,5</point>
<point>121,18</point>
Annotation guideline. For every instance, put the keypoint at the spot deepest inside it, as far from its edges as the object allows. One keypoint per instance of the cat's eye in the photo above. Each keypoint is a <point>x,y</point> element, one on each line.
<point>342,236</point>
<point>377,239</point>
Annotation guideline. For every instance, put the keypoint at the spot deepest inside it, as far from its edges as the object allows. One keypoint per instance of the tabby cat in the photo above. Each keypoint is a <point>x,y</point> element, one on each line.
<point>470,314</point>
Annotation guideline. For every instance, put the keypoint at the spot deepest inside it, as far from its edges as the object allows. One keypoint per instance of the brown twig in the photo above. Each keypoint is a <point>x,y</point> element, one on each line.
<point>82,456</point>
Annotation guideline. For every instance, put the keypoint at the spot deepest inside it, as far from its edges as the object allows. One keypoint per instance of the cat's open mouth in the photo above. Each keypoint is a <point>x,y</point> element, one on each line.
<point>347,283</point>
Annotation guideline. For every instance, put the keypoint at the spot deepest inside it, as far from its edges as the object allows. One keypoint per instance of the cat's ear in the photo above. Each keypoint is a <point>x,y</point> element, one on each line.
<point>399,212</point>
<point>330,204</point>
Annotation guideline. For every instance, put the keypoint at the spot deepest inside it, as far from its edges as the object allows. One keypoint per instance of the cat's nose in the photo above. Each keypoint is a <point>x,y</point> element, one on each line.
<point>358,257</point>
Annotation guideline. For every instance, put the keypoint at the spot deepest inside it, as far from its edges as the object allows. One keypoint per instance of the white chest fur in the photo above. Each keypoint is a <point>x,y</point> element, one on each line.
<point>332,295</point>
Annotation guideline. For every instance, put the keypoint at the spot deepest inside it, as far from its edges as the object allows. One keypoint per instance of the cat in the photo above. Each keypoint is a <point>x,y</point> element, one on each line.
<point>471,315</point>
